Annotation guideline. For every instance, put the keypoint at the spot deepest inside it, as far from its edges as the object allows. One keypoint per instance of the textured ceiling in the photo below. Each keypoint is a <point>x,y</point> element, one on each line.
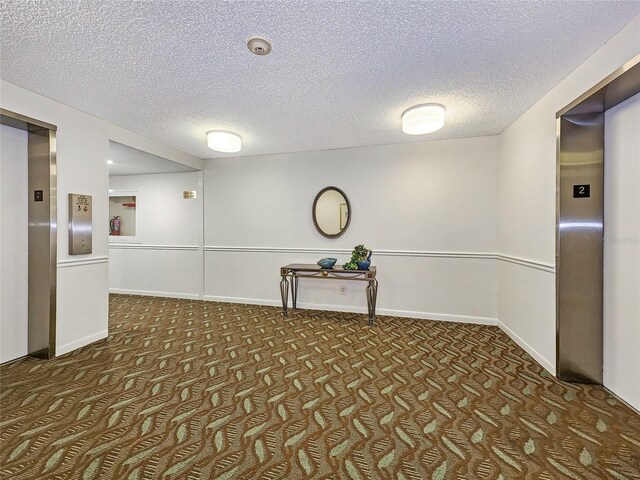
<point>340,74</point>
<point>131,161</point>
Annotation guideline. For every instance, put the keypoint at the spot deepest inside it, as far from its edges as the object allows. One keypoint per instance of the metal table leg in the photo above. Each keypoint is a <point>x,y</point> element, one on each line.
<point>294,290</point>
<point>284,293</point>
<point>372,297</point>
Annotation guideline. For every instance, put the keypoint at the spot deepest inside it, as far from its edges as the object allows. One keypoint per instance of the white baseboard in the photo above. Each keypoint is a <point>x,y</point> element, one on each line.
<point>546,364</point>
<point>360,309</point>
<point>248,301</point>
<point>329,308</point>
<point>82,342</point>
<point>443,317</point>
<point>153,293</point>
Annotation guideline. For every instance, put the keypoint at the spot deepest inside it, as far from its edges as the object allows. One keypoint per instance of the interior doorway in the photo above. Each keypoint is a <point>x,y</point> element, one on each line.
<point>14,218</point>
<point>155,224</point>
<point>621,302</point>
<point>588,211</point>
<point>28,236</point>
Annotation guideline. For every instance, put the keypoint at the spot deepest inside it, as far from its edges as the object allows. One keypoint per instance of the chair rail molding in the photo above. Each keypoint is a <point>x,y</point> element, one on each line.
<point>525,262</point>
<point>78,262</point>
<point>140,246</point>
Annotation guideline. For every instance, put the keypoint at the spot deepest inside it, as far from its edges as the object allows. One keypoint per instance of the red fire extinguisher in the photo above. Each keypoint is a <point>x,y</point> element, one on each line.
<point>114,224</point>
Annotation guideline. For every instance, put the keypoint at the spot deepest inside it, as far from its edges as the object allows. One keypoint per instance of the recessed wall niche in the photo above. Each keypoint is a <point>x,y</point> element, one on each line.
<point>123,217</point>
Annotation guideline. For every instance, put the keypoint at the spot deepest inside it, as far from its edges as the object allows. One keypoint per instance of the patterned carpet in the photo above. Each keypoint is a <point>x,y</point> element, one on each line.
<point>203,390</point>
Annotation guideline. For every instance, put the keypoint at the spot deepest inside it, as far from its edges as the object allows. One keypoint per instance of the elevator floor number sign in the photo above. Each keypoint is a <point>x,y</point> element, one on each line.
<point>581,191</point>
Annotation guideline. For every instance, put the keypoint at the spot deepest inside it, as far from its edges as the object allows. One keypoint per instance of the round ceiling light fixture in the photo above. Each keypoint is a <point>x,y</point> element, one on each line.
<point>259,46</point>
<point>423,119</point>
<point>225,142</point>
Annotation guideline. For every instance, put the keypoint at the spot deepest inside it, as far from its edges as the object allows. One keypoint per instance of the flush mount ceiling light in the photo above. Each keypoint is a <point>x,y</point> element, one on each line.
<point>109,162</point>
<point>423,119</point>
<point>225,142</point>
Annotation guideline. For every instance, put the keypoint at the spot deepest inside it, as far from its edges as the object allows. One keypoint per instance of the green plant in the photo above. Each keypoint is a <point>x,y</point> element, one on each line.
<point>359,254</point>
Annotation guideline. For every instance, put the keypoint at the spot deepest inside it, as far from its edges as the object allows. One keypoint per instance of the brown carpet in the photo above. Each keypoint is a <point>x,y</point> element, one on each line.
<point>202,390</point>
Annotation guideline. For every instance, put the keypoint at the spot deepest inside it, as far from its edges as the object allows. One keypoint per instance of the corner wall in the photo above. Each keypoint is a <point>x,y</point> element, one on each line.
<point>82,151</point>
<point>527,215</point>
<point>168,259</point>
<point>427,209</point>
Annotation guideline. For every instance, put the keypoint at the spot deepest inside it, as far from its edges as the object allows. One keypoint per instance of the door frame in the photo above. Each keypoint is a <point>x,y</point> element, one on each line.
<point>43,222</point>
<point>580,227</point>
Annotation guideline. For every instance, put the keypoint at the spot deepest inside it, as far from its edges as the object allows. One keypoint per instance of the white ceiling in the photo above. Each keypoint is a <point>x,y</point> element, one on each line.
<point>131,161</point>
<point>340,74</point>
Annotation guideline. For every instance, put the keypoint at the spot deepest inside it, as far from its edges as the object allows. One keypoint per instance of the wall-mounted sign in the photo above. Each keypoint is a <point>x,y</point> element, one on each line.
<point>80,224</point>
<point>581,191</point>
<point>38,196</point>
<point>190,194</point>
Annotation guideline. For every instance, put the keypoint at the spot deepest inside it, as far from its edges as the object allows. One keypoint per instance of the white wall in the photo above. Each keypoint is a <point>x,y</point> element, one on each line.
<point>622,251</point>
<point>14,238</point>
<point>168,259</point>
<point>81,167</point>
<point>428,210</point>
<point>527,178</point>
<point>82,152</point>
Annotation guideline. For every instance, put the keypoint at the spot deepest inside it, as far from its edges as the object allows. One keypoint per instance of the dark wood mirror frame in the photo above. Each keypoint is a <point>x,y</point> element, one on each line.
<point>315,220</point>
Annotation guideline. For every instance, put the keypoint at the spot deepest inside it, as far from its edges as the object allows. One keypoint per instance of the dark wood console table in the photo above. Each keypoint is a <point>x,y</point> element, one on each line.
<point>296,271</point>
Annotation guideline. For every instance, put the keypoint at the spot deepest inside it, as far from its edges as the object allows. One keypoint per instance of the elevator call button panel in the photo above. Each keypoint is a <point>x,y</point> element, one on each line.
<point>581,191</point>
<point>80,224</point>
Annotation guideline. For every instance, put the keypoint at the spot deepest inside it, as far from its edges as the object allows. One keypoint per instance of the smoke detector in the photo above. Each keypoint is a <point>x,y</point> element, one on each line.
<point>259,46</point>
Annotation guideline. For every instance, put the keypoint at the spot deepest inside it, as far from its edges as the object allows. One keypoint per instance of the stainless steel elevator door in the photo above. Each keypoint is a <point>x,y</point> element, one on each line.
<point>580,219</point>
<point>580,233</point>
<point>41,200</point>
<point>14,236</point>
<point>621,306</point>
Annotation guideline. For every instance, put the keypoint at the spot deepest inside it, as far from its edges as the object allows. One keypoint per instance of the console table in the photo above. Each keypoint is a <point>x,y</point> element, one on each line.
<point>295,271</point>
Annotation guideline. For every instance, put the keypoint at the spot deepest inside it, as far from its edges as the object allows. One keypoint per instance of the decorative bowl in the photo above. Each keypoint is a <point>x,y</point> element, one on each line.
<point>327,262</point>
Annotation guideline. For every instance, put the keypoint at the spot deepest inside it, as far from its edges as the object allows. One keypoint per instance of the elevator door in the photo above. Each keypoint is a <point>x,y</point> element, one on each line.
<point>581,236</point>
<point>622,251</point>
<point>13,243</point>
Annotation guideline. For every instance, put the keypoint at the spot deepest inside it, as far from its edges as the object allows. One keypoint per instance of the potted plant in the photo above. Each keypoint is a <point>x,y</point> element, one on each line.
<point>360,259</point>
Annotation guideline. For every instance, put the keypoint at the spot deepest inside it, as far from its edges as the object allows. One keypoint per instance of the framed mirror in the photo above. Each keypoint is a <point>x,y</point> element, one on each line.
<point>331,212</point>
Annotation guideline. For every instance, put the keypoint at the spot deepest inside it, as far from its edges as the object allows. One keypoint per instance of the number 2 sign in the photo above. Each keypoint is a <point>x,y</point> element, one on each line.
<point>581,191</point>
